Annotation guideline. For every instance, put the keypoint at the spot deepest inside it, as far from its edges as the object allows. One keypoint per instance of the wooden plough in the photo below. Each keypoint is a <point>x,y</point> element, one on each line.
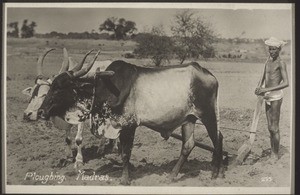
<point>245,149</point>
<point>198,144</point>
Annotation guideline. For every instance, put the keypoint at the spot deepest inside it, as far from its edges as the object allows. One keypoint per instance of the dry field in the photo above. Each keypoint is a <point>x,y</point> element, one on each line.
<point>39,146</point>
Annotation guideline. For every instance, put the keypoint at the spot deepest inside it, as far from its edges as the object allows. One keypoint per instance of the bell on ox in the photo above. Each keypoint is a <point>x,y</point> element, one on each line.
<point>109,129</point>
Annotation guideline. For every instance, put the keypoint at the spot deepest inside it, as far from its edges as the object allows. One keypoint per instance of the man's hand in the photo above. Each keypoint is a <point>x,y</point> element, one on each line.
<point>260,91</point>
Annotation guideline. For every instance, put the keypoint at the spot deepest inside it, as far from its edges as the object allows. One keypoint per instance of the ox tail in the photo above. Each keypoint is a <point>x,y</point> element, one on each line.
<point>217,110</point>
<point>220,136</point>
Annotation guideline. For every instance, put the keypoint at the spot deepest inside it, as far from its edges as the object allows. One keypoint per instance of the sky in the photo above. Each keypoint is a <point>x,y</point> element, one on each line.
<point>227,20</point>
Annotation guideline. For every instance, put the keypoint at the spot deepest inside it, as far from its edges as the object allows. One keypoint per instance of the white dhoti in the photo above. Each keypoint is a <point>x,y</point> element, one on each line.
<point>273,96</point>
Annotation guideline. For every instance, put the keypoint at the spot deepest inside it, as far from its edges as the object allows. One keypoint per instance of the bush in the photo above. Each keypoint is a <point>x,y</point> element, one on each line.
<point>156,46</point>
<point>193,37</point>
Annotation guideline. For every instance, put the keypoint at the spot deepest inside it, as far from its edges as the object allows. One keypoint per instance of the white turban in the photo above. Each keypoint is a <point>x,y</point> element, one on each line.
<point>274,42</point>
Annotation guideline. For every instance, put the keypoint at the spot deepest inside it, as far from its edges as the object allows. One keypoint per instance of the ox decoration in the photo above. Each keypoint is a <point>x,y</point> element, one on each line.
<point>37,95</point>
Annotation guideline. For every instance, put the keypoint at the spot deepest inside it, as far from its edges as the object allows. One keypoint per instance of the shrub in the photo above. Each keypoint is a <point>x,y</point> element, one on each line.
<point>154,45</point>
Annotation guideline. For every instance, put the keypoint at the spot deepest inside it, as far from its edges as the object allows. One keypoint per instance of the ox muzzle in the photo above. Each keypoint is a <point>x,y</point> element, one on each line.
<point>27,116</point>
<point>43,114</point>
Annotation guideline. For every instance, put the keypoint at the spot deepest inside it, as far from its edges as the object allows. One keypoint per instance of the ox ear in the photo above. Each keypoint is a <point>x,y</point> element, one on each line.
<point>28,91</point>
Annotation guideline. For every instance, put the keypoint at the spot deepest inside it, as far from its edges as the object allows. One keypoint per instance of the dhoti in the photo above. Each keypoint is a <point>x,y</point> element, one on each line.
<point>273,96</point>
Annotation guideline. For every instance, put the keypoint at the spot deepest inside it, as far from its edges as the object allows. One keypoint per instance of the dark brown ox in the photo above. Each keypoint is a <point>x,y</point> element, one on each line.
<point>159,98</point>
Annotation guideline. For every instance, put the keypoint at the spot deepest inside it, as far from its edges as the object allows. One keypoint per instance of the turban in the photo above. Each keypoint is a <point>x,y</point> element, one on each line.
<point>274,42</point>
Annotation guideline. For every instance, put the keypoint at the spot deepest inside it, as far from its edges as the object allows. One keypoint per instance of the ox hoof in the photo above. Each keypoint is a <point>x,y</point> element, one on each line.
<point>170,178</point>
<point>222,172</point>
<point>214,175</point>
<point>125,182</point>
<point>78,165</point>
<point>115,150</point>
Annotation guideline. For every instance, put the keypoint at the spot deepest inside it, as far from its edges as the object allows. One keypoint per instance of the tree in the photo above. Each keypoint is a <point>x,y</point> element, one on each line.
<point>121,27</point>
<point>193,37</point>
<point>155,45</point>
<point>27,31</point>
<point>15,29</point>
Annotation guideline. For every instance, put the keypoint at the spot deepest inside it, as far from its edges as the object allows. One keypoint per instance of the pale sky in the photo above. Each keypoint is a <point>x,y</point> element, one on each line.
<point>228,22</point>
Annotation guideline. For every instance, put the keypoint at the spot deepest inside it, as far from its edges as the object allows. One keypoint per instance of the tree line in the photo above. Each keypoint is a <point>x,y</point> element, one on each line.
<point>191,37</point>
<point>119,28</point>
<point>27,30</point>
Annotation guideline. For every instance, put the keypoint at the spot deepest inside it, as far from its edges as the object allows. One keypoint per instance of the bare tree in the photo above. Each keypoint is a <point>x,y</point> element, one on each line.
<point>193,37</point>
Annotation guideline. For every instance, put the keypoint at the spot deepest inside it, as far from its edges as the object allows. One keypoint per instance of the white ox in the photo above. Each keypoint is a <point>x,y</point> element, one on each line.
<point>38,92</point>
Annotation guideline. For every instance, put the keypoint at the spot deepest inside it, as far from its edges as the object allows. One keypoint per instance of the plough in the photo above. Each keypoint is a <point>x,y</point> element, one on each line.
<point>198,144</point>
<point>245,149</point>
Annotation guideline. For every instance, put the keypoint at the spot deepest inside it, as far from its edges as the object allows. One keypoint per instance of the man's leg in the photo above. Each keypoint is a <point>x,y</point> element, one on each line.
<point>273,117</point>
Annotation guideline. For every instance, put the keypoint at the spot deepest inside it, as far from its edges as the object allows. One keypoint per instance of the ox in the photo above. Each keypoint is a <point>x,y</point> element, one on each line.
<point>127,96</point>
<point>38,92</point>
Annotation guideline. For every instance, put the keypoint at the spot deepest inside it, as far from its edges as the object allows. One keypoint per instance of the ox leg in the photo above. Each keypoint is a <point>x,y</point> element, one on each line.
<point>126,141</point>
<point>78,141</point>
<point>101,146</point>
<point>188,143</point>
<point>68,140</point>
<point>211,125</point>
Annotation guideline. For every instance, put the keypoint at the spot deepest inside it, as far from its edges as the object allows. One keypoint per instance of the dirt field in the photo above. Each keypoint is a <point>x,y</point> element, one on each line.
<point>39,146</point>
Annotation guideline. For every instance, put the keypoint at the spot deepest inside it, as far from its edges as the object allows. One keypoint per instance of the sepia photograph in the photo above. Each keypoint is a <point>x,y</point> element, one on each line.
<point>148,98</point>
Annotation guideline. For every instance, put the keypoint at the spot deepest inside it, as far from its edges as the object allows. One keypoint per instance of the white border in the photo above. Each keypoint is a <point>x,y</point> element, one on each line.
<point>147,190</point>
<point>3,112</point>
<point>158,5</point>
<point>151,190</point>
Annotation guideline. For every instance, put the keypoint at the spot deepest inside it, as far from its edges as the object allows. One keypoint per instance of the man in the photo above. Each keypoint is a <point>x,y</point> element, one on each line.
<point>270,86</point>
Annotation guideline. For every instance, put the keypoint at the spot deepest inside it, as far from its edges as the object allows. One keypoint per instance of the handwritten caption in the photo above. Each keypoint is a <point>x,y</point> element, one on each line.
<point>60,178</point>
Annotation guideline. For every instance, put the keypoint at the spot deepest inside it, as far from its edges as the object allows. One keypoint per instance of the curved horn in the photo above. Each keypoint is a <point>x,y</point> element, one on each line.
<point>72,63</point>
<point>85,70</point>
<point>39,66</point>
<point>65,64</point>
<point>108,73</point>
<point>79,66</point>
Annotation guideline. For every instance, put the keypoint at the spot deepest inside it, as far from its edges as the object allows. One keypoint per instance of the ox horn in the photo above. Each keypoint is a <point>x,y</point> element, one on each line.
<point>108,73</point>
<point>85,70</point>
<point>65,64</point>
<point>72,63</point>
<point>40,61</point>
<point>79,66</point>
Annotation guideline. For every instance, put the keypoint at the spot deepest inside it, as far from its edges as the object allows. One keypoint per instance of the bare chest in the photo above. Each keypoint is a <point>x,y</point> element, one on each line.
<point>273,74</point>
<point>272,68</point>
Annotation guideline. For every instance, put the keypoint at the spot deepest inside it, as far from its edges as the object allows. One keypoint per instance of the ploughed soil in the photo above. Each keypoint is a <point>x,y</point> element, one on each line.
<point>39,147</point>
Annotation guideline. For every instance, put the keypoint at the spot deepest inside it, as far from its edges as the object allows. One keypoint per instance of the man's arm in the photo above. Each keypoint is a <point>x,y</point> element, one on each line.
<point>283,84</point>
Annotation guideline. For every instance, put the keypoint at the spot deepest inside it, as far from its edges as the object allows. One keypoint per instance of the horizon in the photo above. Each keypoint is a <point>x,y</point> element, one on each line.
<point>257,22</point>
